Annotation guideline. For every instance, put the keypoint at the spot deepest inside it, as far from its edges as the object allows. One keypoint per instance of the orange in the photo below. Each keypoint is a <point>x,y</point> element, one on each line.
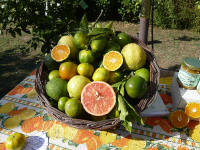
<point>85,69</point>
<point>136,87</point>
<point>67,70</point>
<point>53,74</point>
<point>112,60</point>
<point>86,56</point>
<point>178,119</point>
<point>81,39</point>
<point>101,74</point>
<point>60,52</point>
<point>73,107</point>
<point>193,110</point>
<point>61,103</point>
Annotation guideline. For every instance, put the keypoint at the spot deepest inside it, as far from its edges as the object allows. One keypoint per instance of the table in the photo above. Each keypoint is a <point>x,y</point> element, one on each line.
<point>20,111</point>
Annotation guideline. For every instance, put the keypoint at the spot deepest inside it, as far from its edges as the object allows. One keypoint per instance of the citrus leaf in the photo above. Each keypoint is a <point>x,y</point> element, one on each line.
<point>109,25</point>
<point>83,4</point>
<point>122,88</point>
<point>134,113</point>
<point>97,36</point>
<point>122,108</point>
<point>127,125</point>
<point>84,22</point>
<point>117,85</point>
<point>97,31</point>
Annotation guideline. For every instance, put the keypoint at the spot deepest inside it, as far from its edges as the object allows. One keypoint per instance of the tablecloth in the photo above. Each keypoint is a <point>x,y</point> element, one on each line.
<point>20,111</point>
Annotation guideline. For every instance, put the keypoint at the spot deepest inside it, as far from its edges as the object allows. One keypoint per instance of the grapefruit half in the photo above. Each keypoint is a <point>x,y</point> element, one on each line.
<point>98,98</point>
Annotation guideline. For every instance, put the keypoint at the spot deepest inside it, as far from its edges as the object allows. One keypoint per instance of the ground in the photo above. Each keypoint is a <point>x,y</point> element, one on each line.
<point>170,47</point>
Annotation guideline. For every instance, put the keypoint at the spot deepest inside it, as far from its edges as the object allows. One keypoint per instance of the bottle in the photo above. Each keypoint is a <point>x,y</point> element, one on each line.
<point>189,73</point>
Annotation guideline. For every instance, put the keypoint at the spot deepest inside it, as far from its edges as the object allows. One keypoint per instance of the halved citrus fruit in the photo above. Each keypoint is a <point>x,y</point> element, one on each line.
<point>179,119</point>
<point>98,98</point>
<point>60,52</point>
<point>193,110</point>
<point>112,60</point>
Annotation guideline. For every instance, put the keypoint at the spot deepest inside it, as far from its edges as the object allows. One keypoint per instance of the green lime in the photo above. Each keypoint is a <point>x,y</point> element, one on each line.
<point>86,56</point>
<point>85,69</point>
<point>98,45</point>
<point>101,74</point>
<point>144,73</point>
<point>53,74</point>
<point>81,39</point>
<point>115,76</point>
<point>123,39</point>
<point>136,87</point>
<point>61,103</point>
<point>73,107</point>
<point>56,88</point>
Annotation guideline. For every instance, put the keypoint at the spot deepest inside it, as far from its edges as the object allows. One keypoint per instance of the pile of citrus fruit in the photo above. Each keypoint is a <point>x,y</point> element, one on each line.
<point>91,70</point>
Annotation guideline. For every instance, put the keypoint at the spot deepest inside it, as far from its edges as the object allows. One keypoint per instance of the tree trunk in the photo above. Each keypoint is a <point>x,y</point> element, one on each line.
<point>144,20</point>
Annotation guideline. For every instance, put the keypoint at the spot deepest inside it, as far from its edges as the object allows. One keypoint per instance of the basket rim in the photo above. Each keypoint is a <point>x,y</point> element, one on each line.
<point>108,123</point>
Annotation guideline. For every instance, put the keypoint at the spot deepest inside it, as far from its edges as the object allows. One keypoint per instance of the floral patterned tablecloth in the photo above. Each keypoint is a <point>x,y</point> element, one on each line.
<point>20,111</point>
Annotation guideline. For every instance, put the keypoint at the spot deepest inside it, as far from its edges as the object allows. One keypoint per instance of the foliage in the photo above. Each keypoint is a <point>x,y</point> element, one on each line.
<point>129,10</point>
<point>109,7</point>
<point>45,25</point>
<point>177,14</point>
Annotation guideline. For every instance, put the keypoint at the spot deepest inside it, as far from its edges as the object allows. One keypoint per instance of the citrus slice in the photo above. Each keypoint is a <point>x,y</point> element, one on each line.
<point>26,114</point>
<point>98,98</point>
<point>179,119</point>
<point>7,107</point>
<point>60,52</point>
<point>193,110</point>
<point>12,122</point>
<point>112,60</point>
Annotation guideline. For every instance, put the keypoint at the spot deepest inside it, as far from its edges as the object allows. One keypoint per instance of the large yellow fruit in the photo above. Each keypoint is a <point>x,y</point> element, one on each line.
<point>69,41</point>
<point>134,56</point>
<point>76,84</point>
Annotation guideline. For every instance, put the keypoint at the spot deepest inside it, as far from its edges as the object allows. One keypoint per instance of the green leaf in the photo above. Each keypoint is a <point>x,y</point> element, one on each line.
<point>109,25</point>
<point>97,31</point>
<point>122,108</point>
<point>97,36</point>
<point>134,113</point>
<point>83,4</point>
<point>122,88</point>
<point>127,125</point>
<point>84,22</point>
<point>117,85</point>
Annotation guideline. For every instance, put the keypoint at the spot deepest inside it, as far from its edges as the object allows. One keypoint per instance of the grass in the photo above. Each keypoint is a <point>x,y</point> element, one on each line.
<point>170,47</point>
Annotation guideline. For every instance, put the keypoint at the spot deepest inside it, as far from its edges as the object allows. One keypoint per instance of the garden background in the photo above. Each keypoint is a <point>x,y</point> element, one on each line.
<point>30,28</point>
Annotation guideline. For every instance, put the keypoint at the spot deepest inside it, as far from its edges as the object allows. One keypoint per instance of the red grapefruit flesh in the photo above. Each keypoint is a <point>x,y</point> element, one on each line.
<point>98,98</point>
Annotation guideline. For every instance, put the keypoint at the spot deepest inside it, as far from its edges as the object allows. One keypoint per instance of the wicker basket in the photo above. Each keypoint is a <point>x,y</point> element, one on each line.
<point>42,78</point>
